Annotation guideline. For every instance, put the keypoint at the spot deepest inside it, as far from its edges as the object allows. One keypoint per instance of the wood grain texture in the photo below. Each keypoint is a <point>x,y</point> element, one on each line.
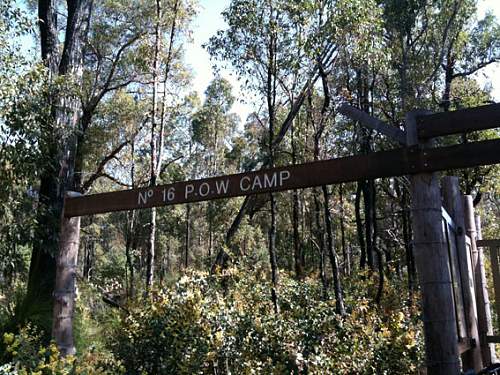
<point>456,122</point>
<point>488,243</point>
<point>347,169</point>
<point>374,123</point>
<point>495,270</point>
<point>431,259</point>
<point>452,201</point>
<point>482,299</point>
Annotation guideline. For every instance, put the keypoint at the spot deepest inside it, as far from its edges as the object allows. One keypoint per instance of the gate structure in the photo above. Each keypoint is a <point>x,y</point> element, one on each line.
<point>448,266</point>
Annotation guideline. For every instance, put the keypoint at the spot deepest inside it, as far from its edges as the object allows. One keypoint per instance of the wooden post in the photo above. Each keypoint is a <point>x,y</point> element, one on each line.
<point>65,286</point>
<point>452,201</point>
<point>483,302</point>
<point>495,270</point>
<point>431,258</point>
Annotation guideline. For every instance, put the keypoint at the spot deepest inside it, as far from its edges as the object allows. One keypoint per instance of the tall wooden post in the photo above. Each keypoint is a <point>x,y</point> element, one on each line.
<point>487,304</point>
<point>431,259</point>
<point>495,268</point>
<point>65,287</point>
<point>483,303</point>
<point>452,201</point>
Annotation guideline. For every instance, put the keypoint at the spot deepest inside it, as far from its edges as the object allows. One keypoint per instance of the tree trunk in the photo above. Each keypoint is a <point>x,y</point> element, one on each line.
<point>359,225</point>
<point>368,210</point>
<point>210,228</point>
<point>65,286</point>
<point>376,248</point>
<point>128,251</point>
<point>57,176</point>
<point>272,254</point>
<point>271,107</point>
<point>339,299</point>
<point>321,241</point>
<point>150,258</point>
<point>297,246</point>
<point>345,251</point>
<point>155,156</point>
<point>89,260</point>
<point>188,236</point>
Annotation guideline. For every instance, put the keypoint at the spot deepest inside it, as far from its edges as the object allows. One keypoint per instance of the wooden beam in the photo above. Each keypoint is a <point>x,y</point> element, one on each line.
<point>347,169</point>
<point>374,123</point>
<point>456,122</point>
<point>493,339</point>
<point>489,243</point>
<point>465,345</point>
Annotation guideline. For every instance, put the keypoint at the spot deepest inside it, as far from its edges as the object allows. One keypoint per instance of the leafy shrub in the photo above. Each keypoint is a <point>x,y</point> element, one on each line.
<point>196,327</point>
<point>28,356</point>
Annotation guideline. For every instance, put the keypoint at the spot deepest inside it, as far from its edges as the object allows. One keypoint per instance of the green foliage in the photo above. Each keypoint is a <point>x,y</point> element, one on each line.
<point>196,326</point>
<point>385,56</point>
<point>24,93</point>
<point>28,356</point>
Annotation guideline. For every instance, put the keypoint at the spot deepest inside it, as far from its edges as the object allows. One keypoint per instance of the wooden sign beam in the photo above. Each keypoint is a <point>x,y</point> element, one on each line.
<point>374,123</point>
<point>488,243</point>
<point>456,122</point>
<point>347,169</point>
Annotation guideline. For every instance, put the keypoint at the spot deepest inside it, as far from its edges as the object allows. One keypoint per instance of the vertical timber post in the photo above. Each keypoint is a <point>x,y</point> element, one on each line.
<point>452,200</point>
<point>483,303</point>
<point>487,304</point>
<point>65,286</point>
<point>433,268</point>
<point>496,280</point>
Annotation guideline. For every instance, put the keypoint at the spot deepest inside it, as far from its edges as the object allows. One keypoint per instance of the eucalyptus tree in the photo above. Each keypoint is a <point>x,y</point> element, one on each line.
<point>257,44</point>
<point>88,56</point>
<point>23,91</point>
<point>474,44</point>
<point>171,26</point>
<point>213,127</point>
<point>266,42</point>
<point>62,59</point>
<point>214,124</point>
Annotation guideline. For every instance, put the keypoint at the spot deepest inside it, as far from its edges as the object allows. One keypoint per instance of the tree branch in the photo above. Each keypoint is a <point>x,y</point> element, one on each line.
<point>100,168</point>
<point>476,68</point>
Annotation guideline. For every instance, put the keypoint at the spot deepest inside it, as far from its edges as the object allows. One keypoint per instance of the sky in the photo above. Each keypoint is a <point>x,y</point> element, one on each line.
<point>209,20</point>
<point>206,24</point>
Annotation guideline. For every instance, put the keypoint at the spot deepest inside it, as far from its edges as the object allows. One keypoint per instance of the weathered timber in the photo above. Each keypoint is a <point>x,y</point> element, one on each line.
<point>495,270</point>
<point>487,305</point>
<point>493,339</point>
<point>488,243</point>
<point>374,123</point>
<point>431,258</point>
<point>347,169</point>
<point>461,121</point>
<point>464,345</point>
<point>450,229</point>
<point>452,201</point>
<point>482,300</point>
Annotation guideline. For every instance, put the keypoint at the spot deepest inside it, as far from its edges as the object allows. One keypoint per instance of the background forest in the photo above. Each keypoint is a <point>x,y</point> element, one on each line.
<point>315,281</point>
